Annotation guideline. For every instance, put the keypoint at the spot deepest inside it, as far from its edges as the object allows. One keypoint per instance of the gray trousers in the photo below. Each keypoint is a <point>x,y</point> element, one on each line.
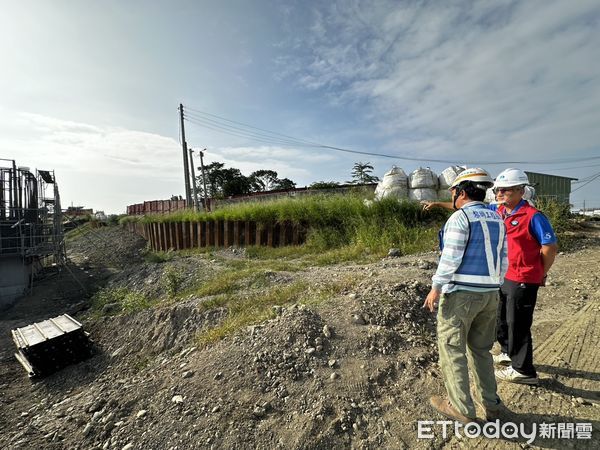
<point>466,330</point>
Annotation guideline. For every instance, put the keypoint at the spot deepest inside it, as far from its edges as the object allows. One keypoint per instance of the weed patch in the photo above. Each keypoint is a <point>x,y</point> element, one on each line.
<point>256,308</point>
<point>121,299</point>
<point>158,257</point>
<point>172,280</point>
<point>230,280</point>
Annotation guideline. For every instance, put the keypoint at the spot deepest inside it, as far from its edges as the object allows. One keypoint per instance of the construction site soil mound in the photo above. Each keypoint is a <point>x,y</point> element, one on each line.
<point>354,371</point>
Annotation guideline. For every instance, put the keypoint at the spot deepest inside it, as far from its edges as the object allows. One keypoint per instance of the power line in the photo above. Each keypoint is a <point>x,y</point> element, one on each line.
<point>215,123</point>
<point>583,180</point>
<point>576,167</point>
<point>239,131</point>
<point>596,176</point>
<point>250,126</point>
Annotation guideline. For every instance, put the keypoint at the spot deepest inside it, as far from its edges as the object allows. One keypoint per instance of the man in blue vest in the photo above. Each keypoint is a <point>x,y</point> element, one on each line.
<point>466,284</point>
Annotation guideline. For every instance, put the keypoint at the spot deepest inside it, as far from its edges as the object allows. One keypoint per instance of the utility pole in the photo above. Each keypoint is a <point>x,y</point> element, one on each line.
<point>186,169</point>
<point>206,209</point>
<point>193,180</point>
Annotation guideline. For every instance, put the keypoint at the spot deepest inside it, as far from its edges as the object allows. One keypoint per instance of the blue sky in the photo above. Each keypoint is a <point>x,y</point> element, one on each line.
<point>91,88</point>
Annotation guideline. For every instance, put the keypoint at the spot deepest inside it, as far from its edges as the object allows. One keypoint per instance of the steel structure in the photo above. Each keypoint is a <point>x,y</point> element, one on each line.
<point>30,219</point>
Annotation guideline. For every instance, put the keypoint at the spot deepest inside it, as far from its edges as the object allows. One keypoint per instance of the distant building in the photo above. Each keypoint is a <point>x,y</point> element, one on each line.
<point>78,211</point>
<point>100,216</point>
<point>551,186</point>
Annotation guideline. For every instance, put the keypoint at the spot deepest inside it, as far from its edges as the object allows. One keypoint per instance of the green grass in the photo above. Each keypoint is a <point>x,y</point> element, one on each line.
<point>290,252</point>
<point>312,210</point>
<point>127,300</point>
<point>78,232</point>
<point>238,275</point>
<point>245,310</point>
<point>158,257</point>
<point>339,223</point>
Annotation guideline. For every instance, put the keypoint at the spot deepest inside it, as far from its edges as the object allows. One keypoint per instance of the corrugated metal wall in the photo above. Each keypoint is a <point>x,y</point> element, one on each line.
<point>551,186</point>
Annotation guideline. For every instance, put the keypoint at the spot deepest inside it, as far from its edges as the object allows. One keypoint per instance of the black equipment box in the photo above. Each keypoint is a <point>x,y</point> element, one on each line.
<point>47,346</point>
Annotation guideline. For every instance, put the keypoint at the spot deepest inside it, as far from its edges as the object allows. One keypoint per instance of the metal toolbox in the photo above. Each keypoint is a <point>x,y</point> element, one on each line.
<point>47,346</point>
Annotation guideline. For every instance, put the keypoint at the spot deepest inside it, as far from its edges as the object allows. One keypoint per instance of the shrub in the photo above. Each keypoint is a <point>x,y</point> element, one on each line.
<point>172,280</point>
<point>558,213</point>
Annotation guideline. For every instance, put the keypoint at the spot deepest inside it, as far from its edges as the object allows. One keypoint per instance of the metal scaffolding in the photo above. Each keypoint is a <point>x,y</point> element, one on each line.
<point>30,215</point>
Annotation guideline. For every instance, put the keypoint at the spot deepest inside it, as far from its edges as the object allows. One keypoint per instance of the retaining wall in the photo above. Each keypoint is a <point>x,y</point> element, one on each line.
<point>14,279</point>
<point>163,236</point>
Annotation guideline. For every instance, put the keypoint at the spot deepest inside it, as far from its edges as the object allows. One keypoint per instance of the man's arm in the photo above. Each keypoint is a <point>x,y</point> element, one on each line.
<point>456,234</point>
<point>504,257</point>
<point>541,229</point>
<point>548,253</point>
<point>427,205</point>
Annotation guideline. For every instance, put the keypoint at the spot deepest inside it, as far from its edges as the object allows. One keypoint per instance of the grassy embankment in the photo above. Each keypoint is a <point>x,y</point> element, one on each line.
<point>335,222</point>
<point>341,229</point>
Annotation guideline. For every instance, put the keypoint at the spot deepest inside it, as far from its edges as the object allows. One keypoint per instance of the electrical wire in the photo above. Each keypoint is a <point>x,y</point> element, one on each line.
<point>583,180</point>
<point>198,112</point>
<point>240,129</point>
<point>576,167</point>
<point>595,177</point>
<point>239,133</point>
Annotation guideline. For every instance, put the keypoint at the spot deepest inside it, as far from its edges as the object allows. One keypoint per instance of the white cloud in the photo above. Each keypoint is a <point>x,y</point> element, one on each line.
<point>480,78</point>
<point>94,165</point>
<point>110,167</point>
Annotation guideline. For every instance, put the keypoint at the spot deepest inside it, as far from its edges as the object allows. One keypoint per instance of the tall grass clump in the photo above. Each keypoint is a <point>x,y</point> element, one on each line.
<point>558,213</point>
<point>384,224</point>
<point>129,219</point>
<point>122,298</point>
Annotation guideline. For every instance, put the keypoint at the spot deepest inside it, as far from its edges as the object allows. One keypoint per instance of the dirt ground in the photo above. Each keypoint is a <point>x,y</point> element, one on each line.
<point>355,371</point>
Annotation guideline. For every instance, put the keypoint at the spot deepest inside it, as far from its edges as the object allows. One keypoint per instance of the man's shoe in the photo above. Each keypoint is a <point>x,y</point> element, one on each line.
<point>512,376</point>
<point>494,412</point>
<point>501,359</point>
<point>445,408</point>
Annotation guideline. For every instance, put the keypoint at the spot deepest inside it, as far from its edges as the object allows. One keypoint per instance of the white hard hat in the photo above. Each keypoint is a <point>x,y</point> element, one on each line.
<point>479,177</point>
<point>511,177</point>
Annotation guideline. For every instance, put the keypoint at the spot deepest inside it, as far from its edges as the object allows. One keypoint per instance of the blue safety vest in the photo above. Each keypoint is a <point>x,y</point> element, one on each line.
<point>482,258</point>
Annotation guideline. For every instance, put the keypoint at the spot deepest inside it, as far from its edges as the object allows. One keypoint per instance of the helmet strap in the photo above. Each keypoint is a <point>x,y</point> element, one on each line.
<point>455,196</point>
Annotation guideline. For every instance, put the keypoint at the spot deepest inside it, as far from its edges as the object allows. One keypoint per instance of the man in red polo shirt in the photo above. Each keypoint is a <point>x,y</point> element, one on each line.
<point>532,248</point>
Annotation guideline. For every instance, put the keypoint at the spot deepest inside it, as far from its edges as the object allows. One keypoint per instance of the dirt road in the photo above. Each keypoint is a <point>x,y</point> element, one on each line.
<point>353,371</point>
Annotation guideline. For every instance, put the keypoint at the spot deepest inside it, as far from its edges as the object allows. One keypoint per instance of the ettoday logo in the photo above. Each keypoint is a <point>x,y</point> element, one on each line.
<point>506,430</point>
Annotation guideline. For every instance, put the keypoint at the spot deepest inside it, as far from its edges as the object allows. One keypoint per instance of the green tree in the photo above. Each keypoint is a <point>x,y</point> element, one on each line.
<point>226,182</point>
<point>324,185</point>
<point>284,184</point>
<point>222,182</point>
<point>213,178</point>
<point>263,180</point>
<point>361,173</point>
<point>235,183</point>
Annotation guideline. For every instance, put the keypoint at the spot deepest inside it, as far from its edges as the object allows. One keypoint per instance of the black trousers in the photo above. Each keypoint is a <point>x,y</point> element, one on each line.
<point>515,316</point>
